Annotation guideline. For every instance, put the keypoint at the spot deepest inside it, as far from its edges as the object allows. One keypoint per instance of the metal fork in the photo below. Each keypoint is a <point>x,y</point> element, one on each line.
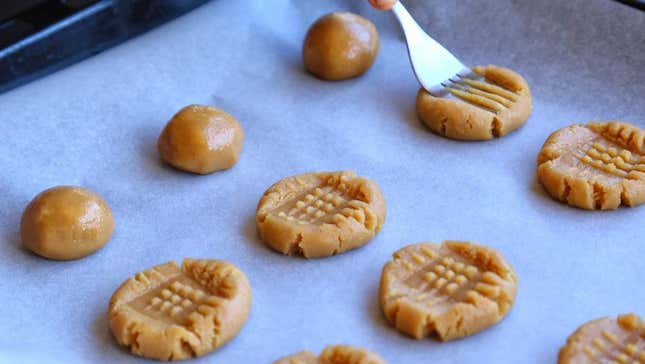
<point>434,66</point>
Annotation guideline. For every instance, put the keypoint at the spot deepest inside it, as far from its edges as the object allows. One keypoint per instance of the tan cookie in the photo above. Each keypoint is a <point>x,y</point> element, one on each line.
<point>168,313</point>
<point>66,222</point>
<point>478,109</point>
<point>340,45</point>
<point>333,354</point>
<point>452,290</point>
<point>320,214</point>
<point>595,166</point>
<point>201,139</point>
<point>606,341</point>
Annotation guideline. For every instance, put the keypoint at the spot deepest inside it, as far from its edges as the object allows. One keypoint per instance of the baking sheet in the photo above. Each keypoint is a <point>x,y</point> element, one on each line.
<point>95,124</point>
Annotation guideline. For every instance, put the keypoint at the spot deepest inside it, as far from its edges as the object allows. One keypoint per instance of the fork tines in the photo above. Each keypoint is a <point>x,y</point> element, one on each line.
<point>483,94</point>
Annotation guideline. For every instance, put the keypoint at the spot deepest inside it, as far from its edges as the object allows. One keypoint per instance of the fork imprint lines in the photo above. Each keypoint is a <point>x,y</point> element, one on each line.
<point>617,162</point>
<point>608,347</point>
<point>435,279</point>
<point>488,96</point>
<point>176,298</point>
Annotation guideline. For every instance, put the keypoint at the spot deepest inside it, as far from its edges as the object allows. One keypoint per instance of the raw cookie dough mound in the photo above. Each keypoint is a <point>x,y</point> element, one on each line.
<point>168,313</point>
<point>600,165</point>
<point>453,289</point>
<point>201,139</point>
<point>66,222</point>
<point>340,46</point>
<point>320,214</point>
<point>606,341</point>
<point>333,354</point>
<point>480,109</point>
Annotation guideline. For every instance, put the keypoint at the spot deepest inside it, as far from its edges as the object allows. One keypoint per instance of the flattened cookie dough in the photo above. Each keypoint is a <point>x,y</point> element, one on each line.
<point>172,313</point>
<point>340,45</point>
<point>479,109</point>
<point>201,139</point>
<point>606,341</point>
<point>320,214</point>
<point>333,354</point>
<point>66,222</point>
<point>453,289</point>
<point>600,165</point>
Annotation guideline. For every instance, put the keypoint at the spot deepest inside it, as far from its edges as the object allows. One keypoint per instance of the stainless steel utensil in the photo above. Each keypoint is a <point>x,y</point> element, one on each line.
<point>437,70</point>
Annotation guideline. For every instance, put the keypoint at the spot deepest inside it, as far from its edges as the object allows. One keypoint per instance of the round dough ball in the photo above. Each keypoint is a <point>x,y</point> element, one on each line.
<point>340,46</point>
<point>66,222</point>
<point>201,139</point>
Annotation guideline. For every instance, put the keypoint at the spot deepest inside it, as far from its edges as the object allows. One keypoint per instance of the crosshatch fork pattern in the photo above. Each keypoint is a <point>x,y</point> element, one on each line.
<point>176,298</point>
<point>608,347</point>
<point>331,202</point>
<point>609,341</point>
<point>619,162</point>
<point>448,290</point>
<point>436,278</point>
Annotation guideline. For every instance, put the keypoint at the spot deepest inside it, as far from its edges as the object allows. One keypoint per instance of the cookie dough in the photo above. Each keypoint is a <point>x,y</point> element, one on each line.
<point>599,165</point>
<point>66,222</point>
<point>333,354</point>
<point>201,139</point>
<point>453,289</point>
<point>172,313</point>
<point>478,109</point>
<point>606,341</point>
<point>340,46</point>
<point>320,214</point>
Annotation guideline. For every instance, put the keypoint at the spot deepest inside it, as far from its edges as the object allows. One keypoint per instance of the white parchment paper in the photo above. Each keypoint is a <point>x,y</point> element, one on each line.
<point>95,124</point>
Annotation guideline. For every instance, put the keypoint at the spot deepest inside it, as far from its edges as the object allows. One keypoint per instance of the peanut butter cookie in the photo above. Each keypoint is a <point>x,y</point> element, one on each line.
<point>168,313</point>
<point>606,341</point>
<point>66,222</point>
<point>333,354</point>
<point>320,214</point>
<point>453,289</point>
<point>599,165</point>
<point>340,46</point>
<point>201,139</point>
<point>478,109</point>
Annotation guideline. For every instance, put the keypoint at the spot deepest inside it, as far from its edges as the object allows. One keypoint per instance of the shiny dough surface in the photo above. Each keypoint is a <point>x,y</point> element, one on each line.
<point>66,222</point>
